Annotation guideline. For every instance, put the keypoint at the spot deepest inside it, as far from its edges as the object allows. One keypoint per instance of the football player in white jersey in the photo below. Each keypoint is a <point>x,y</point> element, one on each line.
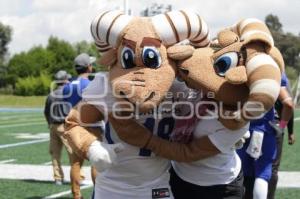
<point>137,53</point>
<point>137,172</point>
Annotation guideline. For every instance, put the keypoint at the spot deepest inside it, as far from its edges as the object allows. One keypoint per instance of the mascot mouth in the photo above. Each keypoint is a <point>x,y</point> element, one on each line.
<point>184,71</point>
<point>124,96</point>
<point>152,94</point>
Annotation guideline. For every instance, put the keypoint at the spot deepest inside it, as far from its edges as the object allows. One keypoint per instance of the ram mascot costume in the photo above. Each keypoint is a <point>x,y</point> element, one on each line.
<point>242,69</point>
<point>141,74</point>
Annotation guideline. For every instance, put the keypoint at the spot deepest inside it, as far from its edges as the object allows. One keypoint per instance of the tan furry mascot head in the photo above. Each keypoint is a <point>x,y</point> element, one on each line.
<point>243,67</point>
<point>135,48</point>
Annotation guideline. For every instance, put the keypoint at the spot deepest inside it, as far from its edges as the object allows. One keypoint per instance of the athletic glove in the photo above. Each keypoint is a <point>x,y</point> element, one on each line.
<point>102,155</point>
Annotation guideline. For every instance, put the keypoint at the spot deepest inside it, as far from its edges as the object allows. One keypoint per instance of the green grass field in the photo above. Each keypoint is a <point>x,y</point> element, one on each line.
<point>20,101</point>
<point>28,125</point>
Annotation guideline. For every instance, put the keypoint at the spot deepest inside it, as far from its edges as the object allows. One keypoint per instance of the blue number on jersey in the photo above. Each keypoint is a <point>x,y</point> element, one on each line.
<point>107,134</point>
<point>149,124</point>
<point>164,130</point>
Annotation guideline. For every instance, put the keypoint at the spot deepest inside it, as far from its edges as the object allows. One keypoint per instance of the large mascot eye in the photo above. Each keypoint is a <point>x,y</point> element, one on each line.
<point>151,57</point>
<point>225,62</point>
<point>127,56</point>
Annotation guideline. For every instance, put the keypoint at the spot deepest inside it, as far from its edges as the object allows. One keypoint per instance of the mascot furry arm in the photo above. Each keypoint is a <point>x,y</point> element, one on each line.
<point>136,50</point>
<point>252,77</point>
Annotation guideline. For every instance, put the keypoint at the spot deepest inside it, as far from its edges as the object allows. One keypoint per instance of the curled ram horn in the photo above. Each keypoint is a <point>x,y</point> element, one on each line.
<point>107,27</point>
<point>263,69</point>
<point>175,26</point>
<point>251,29</point>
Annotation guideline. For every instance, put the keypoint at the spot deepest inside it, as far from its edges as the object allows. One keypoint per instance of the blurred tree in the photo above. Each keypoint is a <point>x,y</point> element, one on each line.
<point>58,55</point>
<point>273,23</point>
<point>85,47</point>
<point>64,55</point>
<point>5,38</point>
<point>287,43</point>
<point>30,63</point>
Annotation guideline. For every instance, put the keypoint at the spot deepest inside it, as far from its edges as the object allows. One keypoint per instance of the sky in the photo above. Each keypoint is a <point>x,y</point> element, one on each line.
<point>33,21</point>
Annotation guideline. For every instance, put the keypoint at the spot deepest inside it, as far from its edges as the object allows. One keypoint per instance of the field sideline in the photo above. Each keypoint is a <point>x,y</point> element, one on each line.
<point>24,141</point>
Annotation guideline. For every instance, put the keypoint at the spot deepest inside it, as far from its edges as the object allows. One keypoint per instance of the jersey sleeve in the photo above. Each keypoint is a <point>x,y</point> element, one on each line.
<point>99,94</point>
<point>284,80</point>
<point>225,139</point>
<point>66,92</point>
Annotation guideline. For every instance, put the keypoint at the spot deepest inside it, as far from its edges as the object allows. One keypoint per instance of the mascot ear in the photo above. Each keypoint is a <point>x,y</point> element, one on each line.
<point>180,52</point>
<point>227,37</point>
<point>237,75</point>
<point>109,58</point>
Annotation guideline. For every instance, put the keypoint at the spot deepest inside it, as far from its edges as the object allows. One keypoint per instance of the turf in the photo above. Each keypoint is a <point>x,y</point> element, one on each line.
<point>288,193</point>
<point>31,154</point>
<point>10,129</point>
<point>28,189</point>
<point>290,157</point>
<point>36,190</point>
<point>21,101</point>
<point>15,122</point>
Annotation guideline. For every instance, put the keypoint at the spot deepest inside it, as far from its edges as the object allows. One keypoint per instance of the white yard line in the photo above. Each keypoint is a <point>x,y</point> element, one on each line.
<point>25,124</point>
<point>287,179</point>
<point>3,146</point>
<point>7,161</point>
<point>297,118</point>
<point>38,172</point>
<point>8,118</point>
<point>57,195</point>
<point>23,121</point>
<point>47,163</point>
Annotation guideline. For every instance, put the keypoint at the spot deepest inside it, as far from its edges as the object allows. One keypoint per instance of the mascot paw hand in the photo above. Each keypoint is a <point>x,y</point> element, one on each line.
<point>102,155</point>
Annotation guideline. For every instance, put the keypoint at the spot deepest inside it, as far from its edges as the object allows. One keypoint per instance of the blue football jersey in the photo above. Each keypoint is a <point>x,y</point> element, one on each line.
<point>73,91</point>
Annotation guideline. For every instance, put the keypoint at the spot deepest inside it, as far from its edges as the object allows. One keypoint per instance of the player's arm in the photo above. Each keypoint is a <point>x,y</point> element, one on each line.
<point>290,128</point>
<point>80,137</point>
<point>85,141</point>
<point>137,135</point>
<point>287,112</point>
<point>47,110</point>
<point>287,106</point>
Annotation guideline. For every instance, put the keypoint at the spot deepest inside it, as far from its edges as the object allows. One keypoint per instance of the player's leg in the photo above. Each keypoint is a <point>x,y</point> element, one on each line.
<point>275,167</point>
<point>156,189</point>
<point>182,189</point>
<point>93,174</point>
<point>82,177</point>
<point>55,149</point>
<point>235,189</point>
<point>76,163</point>
<point>263,166</point>
<point>248,170</point>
